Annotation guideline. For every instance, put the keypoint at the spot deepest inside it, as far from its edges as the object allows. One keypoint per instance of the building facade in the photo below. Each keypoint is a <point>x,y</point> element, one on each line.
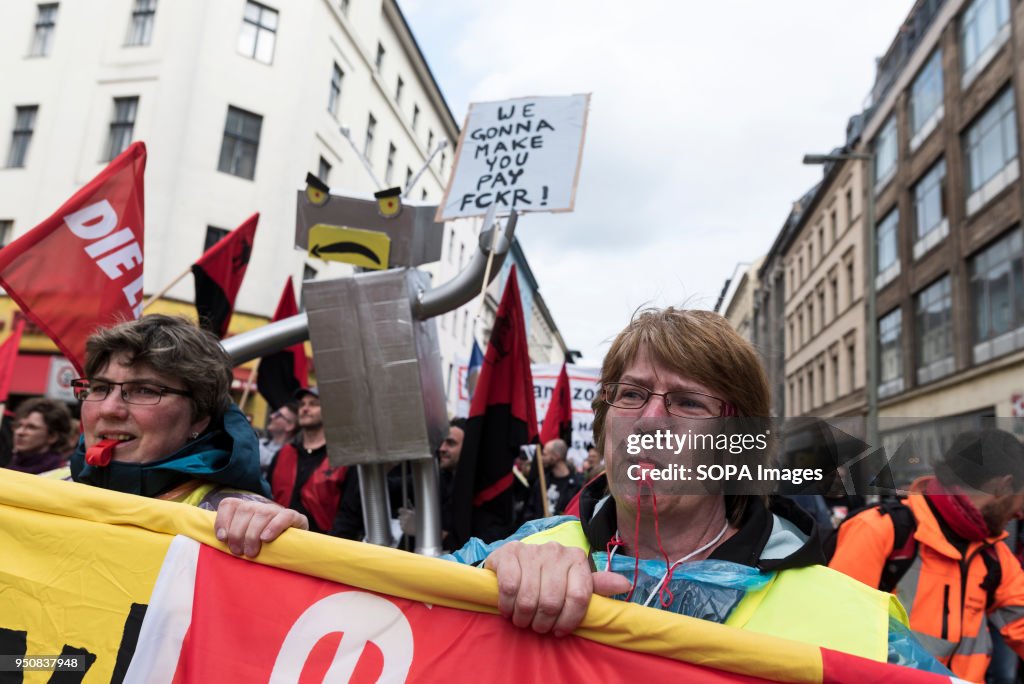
<point>824,263</point>
<point>945,128</point>
<point>236,101</point>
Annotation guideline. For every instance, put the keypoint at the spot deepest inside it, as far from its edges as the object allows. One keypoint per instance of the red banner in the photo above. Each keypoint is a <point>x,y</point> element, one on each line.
<point>8,355</point>
<point>81,269</point>
<point>210,620</point>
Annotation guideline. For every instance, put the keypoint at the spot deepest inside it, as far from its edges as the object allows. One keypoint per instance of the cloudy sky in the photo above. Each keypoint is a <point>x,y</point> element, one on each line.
<point>700,115</point>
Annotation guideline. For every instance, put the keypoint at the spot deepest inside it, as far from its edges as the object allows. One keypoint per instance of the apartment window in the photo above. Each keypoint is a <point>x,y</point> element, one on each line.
<point>930,225</point>
<point>834,218</point>
<point>800,269</point>
<point>408,178</point>
<point>415,116</point>
<point>889,333</point>
<point>934,323</point>
<point>46,24</point>
<point>324,171</point>
<point>849,283</point>
<point>21,136</point>
<point>821,306</point>
<point>140,31</point>
<point>810,320</point>
<point>379,61</point>
<point>6,232</point>
<point>792,336</point>
<point>991,151</point>
<point>389,169</point>
<point>444,158</point>
<point>213,236</point>
<point>821,241</point>
<point>430,140</point>
<point>821,378</point>
<point>334,97</point>
<point>981,32</point>
<point>834,284</point>
<point>997,287</point>
<point>424,195</point>
<point>343,6</point>
<point>451,246</point>
<point>810,256</point>
<point>371,127</point>
<point>834,359</point>
<point>398,90</point>
<point>800,383</point>
<point>810,388</point>
<point>851,356</point>
<point>122,126</point>
<point>465,325</point>
<point>241,143</point>
<point>462,253</point>
<point>885,152</point>
<point>888,265</point>
<point>926,107</point>
<point>259,31</point>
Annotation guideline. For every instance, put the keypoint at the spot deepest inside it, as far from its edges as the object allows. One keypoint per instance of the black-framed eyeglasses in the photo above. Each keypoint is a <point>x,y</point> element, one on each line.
<point>680,403</point>
<point>141,393</point>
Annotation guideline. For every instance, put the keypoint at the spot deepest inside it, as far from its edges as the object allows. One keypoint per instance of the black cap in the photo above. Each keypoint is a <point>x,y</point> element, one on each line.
<point>303,391</point>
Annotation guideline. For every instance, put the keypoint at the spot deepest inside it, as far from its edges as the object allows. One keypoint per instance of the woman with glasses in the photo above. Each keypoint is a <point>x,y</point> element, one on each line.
<point>158,421</point>
<point>725,552</point>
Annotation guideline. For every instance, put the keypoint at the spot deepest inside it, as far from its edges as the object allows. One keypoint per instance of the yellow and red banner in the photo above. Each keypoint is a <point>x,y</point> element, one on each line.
<point>140,590</point>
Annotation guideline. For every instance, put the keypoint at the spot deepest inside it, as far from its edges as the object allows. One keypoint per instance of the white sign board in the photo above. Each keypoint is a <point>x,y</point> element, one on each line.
<point>58,379</point>
<point>522,154</point>
<point>583,387</point>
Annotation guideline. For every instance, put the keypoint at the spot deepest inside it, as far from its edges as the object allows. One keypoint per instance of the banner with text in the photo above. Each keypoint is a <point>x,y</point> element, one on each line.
<point>583,384</point>
<point>128,601</point>
<point>521,154</point>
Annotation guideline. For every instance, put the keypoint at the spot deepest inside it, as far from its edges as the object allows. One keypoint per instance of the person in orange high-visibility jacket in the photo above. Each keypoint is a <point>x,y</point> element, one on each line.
<point>962,571</point>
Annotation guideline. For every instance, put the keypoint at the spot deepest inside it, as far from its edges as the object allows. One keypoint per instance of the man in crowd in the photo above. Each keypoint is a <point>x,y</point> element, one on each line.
<point>281,429</point>
<point>561,481</point>
<point>301,476</point>
<point>43,426</point>
<point>941,551</point>
<point>593,464</point>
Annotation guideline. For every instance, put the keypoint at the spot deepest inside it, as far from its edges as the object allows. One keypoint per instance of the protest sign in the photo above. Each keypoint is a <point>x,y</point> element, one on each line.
<point>523,154</point>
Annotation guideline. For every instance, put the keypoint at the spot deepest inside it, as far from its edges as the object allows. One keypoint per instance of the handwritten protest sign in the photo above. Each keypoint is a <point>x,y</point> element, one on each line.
<point>522,154</point>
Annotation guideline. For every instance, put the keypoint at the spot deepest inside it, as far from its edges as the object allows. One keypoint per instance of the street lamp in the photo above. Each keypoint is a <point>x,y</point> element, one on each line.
<point>872,331</point>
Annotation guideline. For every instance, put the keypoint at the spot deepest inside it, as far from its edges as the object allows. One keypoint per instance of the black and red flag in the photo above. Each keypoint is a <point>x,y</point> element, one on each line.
<point>282,373</point>
<point>558,419</point>
<point>81,268</point>
<point>502,417</point>
<point>219,274</point>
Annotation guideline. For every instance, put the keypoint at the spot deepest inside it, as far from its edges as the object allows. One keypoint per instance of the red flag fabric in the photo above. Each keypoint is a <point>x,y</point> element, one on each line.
<point>282,373</point>
<point>219,274</point>
<point>8,356</point>
<point>502,418</point>
<point>558,419</point>
<point>209,620</point>
<point>81,268</point>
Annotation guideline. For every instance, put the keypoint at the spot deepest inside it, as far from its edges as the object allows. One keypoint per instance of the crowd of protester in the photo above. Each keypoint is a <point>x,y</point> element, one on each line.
<point>157,420</point>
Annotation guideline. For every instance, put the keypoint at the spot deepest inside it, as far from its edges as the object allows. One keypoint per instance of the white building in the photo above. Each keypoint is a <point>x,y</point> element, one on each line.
<point>236,101</point>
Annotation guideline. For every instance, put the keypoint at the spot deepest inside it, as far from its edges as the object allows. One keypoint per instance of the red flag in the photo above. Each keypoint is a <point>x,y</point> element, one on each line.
<point>502,418</point>
<point>282,373</point>
<point>8,355</point>
<point>81,269</point>
<point>558,419</point>
<point>219,274</point>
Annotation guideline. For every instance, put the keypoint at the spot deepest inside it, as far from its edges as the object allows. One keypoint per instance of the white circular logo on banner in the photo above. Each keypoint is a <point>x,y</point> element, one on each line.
<point>362,618</point>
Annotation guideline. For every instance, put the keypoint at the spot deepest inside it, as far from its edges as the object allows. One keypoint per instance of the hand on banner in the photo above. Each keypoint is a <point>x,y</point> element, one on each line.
<point>548,586</point>
<point>407,521</point>
<point>246,525</point>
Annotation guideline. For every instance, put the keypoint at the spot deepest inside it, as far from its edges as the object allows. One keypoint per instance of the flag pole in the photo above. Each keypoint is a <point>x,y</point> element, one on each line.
<point>166,289</point>
<point>248,387</point>
<point>542,482</point>
<point>488,222</point>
